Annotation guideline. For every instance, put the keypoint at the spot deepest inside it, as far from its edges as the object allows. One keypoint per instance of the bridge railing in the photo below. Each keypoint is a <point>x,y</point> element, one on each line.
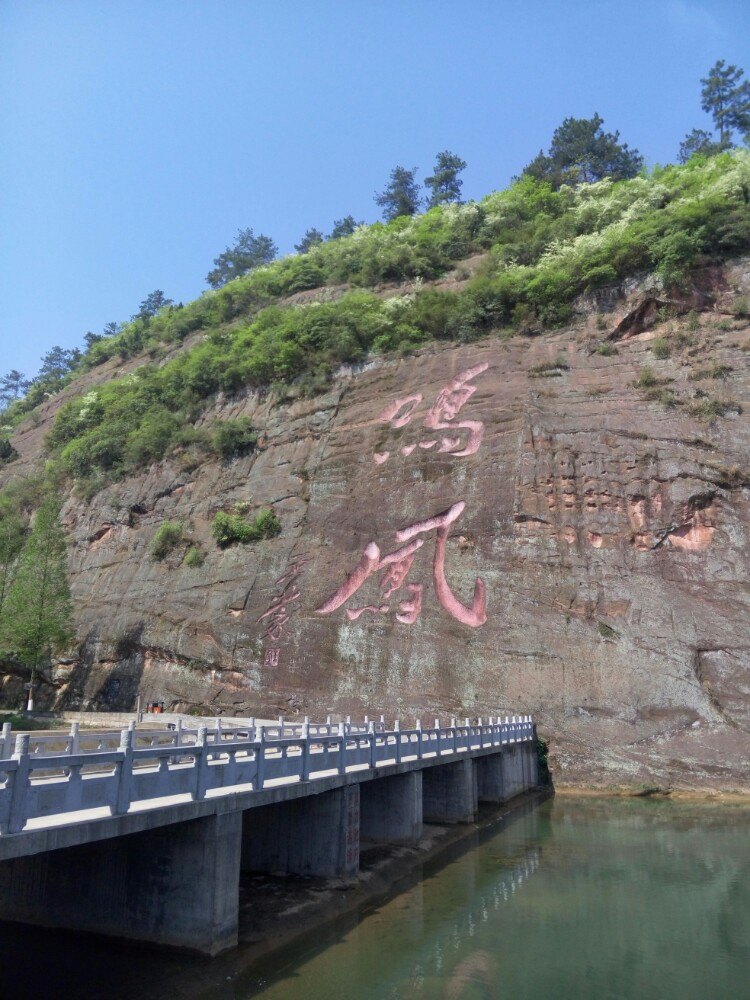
<point>35,786</point>
<point>82,741</point>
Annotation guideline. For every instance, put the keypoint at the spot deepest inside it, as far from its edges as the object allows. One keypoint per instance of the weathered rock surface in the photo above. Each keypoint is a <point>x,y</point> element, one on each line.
<point>596,575</point>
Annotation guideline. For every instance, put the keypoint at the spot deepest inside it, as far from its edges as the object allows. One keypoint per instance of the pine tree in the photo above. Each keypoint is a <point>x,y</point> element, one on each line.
<point>580,152</point>
<point>152,304</point>
<point>344,227</point>
<point>249,251</point>
<point>698,141</point>
<point>311,239</point>
<point>13,385</point>
<point>401,197</point>
<point>726,97</point>
<point>38,610</point>
<point>444,184</point>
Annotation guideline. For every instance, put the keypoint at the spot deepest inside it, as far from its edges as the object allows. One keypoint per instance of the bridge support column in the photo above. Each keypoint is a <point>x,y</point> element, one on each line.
<point>533,765</point>
<point>176,885</point>
<point>313,835</point>
<point>450,793</point>
<point>490,782</point>
<point>512,771</point>
<point>526,765</point>
<point>391,809</point>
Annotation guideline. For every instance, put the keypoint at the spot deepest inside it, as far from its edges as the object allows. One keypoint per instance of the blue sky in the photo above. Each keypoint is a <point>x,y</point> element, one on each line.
<point>138,136</point>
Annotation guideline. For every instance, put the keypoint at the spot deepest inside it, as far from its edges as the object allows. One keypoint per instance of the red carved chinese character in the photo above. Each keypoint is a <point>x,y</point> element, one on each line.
<point>441,416</point>
<point>272,658</point>
<point>397,565</point>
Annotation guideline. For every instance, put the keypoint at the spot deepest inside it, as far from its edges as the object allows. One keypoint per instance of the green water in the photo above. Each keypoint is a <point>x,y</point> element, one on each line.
<point>600,898</point>
<point>587,898</point>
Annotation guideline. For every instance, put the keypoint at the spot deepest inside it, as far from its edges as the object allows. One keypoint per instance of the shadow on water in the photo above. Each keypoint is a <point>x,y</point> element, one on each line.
<point>37,961</point>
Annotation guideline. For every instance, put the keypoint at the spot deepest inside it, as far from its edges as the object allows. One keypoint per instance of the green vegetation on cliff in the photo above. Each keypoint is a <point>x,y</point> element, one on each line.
<point>542,248</point>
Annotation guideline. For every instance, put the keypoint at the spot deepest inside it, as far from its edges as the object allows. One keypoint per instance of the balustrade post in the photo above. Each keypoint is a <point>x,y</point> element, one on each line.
<point>125,774</point>
<point>305,737</point>
<point>328,721</point>
<point>74,738</point>
<point>5,741</point>
<point>373,745</point>
<point>17,818</point>
<point>348,724</point>
<point>201,763</point>
<point>397,731</point>
<point>260,756</point>
<point>418,727</point>
<point>454,734</point>
<point>342,747</point>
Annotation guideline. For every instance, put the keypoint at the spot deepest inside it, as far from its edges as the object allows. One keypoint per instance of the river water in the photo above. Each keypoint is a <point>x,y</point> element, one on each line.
<point>579,898</point>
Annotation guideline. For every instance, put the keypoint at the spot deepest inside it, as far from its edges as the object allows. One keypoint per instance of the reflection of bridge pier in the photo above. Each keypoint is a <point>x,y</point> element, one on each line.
<point>147,841</point>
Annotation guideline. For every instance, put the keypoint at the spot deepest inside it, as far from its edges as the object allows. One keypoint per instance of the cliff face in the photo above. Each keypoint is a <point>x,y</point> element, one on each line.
<point>505,525</point>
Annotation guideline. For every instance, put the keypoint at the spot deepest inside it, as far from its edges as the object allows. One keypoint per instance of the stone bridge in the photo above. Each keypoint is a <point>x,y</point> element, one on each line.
<point>143,833</point>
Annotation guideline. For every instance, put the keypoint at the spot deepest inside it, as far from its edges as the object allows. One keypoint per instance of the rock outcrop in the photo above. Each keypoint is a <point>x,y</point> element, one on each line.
<point>516,524</point>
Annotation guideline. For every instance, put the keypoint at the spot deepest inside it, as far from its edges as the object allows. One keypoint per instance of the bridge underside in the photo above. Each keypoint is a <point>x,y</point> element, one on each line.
<point>178,885</point>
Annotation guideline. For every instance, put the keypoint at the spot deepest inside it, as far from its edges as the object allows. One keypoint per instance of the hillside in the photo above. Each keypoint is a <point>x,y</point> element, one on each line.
<point>508,449</point>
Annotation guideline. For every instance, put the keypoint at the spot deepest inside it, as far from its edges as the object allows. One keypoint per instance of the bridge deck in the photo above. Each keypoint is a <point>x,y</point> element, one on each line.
<point>50,799</point>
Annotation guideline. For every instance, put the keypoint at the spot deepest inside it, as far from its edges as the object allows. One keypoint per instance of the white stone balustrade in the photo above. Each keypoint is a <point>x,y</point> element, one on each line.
<point>54,779</point>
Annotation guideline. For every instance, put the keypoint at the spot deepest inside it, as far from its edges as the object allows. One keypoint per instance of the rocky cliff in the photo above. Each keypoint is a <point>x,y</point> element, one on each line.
<point>556,525</point>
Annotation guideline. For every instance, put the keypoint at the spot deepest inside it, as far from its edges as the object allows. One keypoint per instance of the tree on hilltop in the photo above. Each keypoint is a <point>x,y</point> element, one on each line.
<point>401,196</point>
<point>698,141</point>
<point>445,185</point>
<point>581,153</point>
<point>56,364</point>
<point>13,385</point>
<point>152,304</point>
<point>311,239</point>
<point>344,227</point>
<point>726,97</point>
<point>249,251</point>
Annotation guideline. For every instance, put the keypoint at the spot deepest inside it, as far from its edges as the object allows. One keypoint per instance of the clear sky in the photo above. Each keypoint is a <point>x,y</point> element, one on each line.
<point>138,136</point>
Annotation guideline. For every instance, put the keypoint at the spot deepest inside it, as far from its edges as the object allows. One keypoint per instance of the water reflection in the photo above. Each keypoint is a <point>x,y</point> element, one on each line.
<point>628,899</point>
<point>577,899</point>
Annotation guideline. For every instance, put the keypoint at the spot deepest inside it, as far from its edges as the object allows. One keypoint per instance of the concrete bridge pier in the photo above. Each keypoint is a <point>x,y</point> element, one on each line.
<point>450,792</point>
<point>317,834</point>
<point>490,779</point>
<point>391,809</point>
<point>533,762</point>
<point>512,767</point>
<point>176,885</point>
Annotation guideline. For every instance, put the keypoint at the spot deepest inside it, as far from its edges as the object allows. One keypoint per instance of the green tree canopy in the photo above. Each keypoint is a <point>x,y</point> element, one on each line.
<point>344,227</point>
<point>249,251</point>
<point>311,239</point>
<point>581,152</point>
<point>726,97</point>
<point>445,184</point>
<point>38,611</point>
<point>13,385</point>
<point>401,196</point>
<point>698,141</point>
<point>151,305</point>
